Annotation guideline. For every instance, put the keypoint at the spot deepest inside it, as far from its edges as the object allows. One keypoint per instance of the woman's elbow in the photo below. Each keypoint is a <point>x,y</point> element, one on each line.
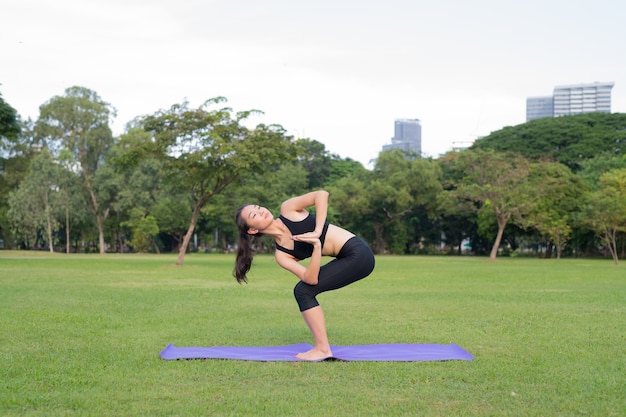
<point>310,281</point>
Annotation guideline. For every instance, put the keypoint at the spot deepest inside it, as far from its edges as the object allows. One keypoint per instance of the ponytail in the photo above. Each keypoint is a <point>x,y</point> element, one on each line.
<point>245,252</point>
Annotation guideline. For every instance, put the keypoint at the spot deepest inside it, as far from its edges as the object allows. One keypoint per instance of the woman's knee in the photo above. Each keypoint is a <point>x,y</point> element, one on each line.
<point>305,296</point>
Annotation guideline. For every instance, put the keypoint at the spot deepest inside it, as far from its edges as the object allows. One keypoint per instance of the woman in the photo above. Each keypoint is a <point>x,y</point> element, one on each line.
<point>300,235</point>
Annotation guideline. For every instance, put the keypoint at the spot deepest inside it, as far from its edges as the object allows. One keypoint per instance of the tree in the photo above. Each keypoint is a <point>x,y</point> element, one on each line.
<point>12,171</point>
<point>605,211</point>
<point>172,213</point>
<point>592,169</point>
<point>132,192</point>
<point>144,228</point>
<point>388,198</point>
<point>458,217</point>
<point>315,159</point>
<point>341,168</point>
<point>499,180</point>
<point>14,162</point>
<point>351,205</point>
<point>79,122</point>
<point>35,204</point>
<point>69,197</point>
<point>205,150</point>
<point>558,193</point>
<point>9,126</point>
<point>570,140</point>
<point>583,236</point>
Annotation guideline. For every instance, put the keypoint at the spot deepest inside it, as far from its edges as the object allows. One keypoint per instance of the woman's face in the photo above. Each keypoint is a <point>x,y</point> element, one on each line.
<point>257,218</point>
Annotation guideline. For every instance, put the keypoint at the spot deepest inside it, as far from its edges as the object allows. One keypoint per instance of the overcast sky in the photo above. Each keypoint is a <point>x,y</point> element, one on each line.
<point>339,71</point>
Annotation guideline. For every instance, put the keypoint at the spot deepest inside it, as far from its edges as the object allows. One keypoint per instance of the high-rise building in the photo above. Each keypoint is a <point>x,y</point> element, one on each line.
<point>571,99</point>
<point>407,136</point>
<point>538,107</point>
<point>582,98</point>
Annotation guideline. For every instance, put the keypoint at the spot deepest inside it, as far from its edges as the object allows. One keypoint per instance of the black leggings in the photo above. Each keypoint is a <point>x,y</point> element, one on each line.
<point>354,262</point>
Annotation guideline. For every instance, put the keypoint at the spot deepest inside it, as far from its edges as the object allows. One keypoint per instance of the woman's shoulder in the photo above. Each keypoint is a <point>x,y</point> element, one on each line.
<point>293,215</point>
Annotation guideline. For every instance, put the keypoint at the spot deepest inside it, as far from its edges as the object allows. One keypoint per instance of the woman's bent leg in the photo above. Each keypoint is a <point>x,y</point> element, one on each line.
<point>355,261</point>
<point>314,318</point>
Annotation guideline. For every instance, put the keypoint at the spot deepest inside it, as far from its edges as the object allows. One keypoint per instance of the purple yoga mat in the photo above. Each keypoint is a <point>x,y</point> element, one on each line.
<point>389,352</point>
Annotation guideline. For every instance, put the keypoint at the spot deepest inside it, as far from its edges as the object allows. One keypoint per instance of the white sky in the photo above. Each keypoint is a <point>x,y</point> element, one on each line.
<point>337,71</point>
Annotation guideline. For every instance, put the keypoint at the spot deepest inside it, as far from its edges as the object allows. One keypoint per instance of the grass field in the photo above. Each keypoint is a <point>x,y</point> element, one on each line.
<point>81,336</point>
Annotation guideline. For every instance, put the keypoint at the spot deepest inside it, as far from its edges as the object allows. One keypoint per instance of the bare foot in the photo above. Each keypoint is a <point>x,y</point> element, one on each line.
<point>315,354</point>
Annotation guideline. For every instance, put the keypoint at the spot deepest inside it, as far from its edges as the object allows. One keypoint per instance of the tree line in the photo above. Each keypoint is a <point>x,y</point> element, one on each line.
<point>173,180</point>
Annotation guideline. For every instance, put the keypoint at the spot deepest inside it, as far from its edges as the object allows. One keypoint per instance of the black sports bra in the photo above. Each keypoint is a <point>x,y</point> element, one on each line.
<point>301,250</point>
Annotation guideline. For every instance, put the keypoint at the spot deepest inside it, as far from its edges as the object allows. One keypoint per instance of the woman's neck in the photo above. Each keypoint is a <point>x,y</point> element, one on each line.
<point>278,230</point>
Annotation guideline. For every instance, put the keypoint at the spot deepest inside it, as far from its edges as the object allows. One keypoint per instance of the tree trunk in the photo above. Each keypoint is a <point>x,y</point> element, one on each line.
<point>49,230</point>
<point>67,230</point>
<point>155,246</point>
<point>187,238</point>
<point>99,218</point>
<point>379,241</point>
<point>120,243</point>
<point>99,223</point>
<point>609,238</point>
<point>496,244</point>
<point>48,224</point>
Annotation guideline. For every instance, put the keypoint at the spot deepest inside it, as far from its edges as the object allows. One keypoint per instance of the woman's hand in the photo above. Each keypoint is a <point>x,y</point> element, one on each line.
<point>308,237</point>
<point>312,271</point>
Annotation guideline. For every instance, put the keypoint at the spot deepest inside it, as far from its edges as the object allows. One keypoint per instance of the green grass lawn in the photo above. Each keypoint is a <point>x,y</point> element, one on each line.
<point>81,336</point>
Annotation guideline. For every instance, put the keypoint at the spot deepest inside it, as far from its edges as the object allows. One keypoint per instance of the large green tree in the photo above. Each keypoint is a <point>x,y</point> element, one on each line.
<point>206,149</point>
<point>558,198</point>
<point>79,122</point>
<point>568,139</point>
<point>605,211</point>
<point>34,206</point>
<point>497,181</point>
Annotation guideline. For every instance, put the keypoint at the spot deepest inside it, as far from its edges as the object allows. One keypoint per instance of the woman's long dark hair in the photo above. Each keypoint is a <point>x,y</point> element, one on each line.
<point>245,251</point>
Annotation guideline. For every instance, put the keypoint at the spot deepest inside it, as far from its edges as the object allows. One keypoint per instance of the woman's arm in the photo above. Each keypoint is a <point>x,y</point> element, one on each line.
<point>295,209</point>
<point>308,274</point>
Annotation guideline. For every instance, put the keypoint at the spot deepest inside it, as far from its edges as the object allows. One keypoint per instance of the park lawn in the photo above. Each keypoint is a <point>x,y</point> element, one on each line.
<point>81,336</point>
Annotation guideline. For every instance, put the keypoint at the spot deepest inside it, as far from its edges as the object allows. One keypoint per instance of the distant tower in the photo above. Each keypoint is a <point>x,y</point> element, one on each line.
<point>407,136</point>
